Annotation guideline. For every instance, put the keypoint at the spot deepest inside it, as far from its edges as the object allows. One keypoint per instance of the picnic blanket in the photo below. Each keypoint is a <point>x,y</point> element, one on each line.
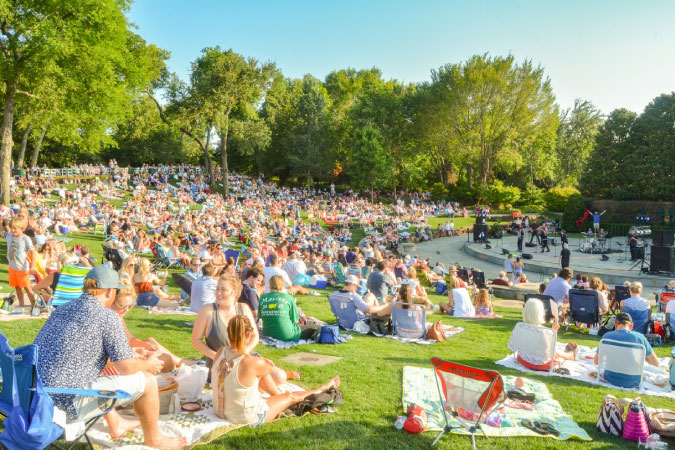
<point>6,316</point>
<point>583,369</point>
<point>183,310</point>
<point>449,332</point>
<point>198,427</point>
<point>419,387</point>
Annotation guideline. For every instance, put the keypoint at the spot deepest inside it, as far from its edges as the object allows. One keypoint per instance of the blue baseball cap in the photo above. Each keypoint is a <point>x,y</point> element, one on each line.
<point>105,277</point>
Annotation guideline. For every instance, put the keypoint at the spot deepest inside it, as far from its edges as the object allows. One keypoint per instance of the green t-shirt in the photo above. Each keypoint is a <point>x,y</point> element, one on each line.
<point>279,315</point>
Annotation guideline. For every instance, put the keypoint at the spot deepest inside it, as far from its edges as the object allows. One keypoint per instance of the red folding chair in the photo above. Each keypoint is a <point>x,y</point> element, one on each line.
<point>468,394</point>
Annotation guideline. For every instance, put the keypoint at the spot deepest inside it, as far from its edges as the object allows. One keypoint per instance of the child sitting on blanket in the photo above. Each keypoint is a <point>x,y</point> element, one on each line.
<point>483,304</point>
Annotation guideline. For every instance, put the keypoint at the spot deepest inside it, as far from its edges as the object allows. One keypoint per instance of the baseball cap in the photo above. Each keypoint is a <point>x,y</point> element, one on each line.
<point>351,279</point>
<point>105,277</point>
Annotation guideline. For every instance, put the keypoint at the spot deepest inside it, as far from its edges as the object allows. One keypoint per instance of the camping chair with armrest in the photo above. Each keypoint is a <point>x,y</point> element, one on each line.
<point>70,284</point>
<point>584,306</point>
<point>627,358</point>
<point>621,293</point>
<point>344,310</point>
<point>408,323</point>
<point>463,274</point>
<point>163,257</point>
<point>546,301</point>
<point>234,254</point>
<point>535,341</point>
<point>640,318</point>
<point>664,298</point>
<point>30,421</point>
<point>466,388</point>
<point>478,279</point>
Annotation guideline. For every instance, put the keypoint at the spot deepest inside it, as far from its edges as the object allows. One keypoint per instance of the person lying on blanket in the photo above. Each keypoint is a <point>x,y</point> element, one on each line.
<point>73,356</point>
<point>239,381</point>
<point>623,331</point>
<point>530,351</point>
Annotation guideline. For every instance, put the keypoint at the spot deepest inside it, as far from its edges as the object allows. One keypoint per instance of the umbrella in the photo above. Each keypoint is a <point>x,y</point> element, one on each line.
<point>516,214</point>
<point>183,281</point>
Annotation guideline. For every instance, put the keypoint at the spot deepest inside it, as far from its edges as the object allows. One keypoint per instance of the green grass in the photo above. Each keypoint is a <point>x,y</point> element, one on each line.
<point>371,369</point>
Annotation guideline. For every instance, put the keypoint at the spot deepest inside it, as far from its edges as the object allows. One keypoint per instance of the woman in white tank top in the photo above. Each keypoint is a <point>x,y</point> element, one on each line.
<point>236,393</point>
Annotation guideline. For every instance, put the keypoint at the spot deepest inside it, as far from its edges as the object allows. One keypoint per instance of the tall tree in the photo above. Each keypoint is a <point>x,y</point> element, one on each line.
<point>576,138</point>
<point>370,165</point>
<point>224,82</point>
<point>490,106</point>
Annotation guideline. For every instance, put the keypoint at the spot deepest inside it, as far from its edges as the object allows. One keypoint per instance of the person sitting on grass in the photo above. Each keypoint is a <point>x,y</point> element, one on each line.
<point>459,303</point>
<point>280,315</point>
<point>623,331</point>
<point>149,295</point>
<point>237,392</point>
<point>18,248</point>
<point>124,301</point>
<point>75,343</point>
<point>483,304</point>
<point>529,351</point>
<point>502,280</point>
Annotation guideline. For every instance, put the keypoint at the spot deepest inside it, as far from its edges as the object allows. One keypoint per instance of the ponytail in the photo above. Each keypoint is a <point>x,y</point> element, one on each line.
<point>237,330</point>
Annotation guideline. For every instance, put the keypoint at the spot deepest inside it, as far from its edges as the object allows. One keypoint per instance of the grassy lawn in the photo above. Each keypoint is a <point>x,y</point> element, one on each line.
<point>371,369</point>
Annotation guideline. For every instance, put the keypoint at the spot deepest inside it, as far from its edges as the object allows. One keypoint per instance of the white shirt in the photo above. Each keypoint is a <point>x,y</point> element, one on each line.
<point>294,267</point>
<point>558,288</point>
<point>463,305</point>
<point>670,309</point>
<point>203,292</point>
<point>271,271</point>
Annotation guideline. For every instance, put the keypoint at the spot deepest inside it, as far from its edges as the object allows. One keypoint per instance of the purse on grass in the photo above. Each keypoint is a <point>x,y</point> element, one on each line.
<point>610,419</point>
<point>663,422</point>
<point>436,332</point>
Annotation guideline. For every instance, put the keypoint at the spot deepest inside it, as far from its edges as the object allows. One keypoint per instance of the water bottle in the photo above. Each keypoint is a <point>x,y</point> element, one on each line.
<point>399,422</point>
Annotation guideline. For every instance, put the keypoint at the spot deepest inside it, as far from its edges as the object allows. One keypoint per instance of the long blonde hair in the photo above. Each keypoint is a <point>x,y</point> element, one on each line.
<point>144,267</point>
<point>483,298</point>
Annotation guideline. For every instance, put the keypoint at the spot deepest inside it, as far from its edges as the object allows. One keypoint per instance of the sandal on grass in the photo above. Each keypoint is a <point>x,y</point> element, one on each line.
<point>543,428</point>
<point>519,394</point>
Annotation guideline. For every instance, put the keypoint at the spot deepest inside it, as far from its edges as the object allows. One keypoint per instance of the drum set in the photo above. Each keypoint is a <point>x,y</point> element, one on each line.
<point>593,244</point>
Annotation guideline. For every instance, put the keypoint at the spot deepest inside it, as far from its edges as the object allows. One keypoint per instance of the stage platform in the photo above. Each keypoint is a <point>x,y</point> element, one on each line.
<point>617,269</point>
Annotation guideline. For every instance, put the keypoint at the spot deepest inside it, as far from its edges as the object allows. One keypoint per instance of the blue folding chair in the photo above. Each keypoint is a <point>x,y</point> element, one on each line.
<point>27,406</point>
<point>344,310</point>
<point>408,323</point>
<point>231,253</point>
<point>70,284</point>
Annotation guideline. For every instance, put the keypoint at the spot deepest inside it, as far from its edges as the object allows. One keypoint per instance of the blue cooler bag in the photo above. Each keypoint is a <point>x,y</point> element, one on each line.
<point>329,334</point>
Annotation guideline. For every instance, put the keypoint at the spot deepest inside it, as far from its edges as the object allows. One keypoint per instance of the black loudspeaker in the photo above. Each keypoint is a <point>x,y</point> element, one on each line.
<point>663,238</point>
<point>604,257</point>
<point>526,256</point>
<point>505,251</point>
<point>662,259</point>
<point>477,229</point>
<point>530,244</point>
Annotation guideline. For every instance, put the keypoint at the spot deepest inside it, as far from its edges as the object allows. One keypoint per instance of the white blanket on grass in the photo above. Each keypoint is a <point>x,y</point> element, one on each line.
<point>655,378</point>
<point>449,332</point>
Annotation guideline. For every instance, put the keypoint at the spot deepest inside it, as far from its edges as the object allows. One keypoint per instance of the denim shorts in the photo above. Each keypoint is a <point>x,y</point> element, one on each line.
<point>147,299</point>
<point>263,409</point>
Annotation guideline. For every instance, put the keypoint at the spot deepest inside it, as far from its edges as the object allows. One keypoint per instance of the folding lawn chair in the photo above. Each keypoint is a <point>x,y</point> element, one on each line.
<point>584,306</point>
<point>463,274</point>
<point>408,323</point>
<point>535,341</point>
<point>621,293</point>
<point>69,287</point>
<point>664,297</point>
<point>164,259</point>
<point>231,253</point>
<point>478,279</point>
<point>626,358</point>
<point>462,388</point>
<point>29,410</point>
<point>344,310</point>
<point>546,301</point>
<point>640,318</point>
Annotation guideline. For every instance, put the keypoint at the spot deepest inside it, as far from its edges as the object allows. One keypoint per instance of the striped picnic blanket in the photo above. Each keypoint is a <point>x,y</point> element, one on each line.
<point>419,387</point>
<point>69,287</point>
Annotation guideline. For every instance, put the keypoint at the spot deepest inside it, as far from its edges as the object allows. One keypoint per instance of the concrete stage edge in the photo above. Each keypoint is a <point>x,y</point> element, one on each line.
<point>612,272</point>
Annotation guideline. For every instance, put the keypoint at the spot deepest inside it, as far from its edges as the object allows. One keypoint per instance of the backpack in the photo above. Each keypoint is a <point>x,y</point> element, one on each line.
<point>610,419</point>
<point>380,325</point>
<point>607,327</point>
<point>322,402</point>
<point>329,334</point>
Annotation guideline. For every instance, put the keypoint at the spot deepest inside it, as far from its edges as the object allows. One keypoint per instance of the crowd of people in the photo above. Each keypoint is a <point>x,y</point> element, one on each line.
<point>171,215</point>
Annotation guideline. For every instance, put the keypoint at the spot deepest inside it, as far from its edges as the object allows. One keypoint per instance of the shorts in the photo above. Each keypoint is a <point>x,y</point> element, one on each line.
<point>262,411</point>
<point>88,407</point>
<point>147,299</point>
<point>19,278</point>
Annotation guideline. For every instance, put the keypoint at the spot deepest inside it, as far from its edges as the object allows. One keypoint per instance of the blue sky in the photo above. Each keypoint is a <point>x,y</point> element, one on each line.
<point>613,53</point>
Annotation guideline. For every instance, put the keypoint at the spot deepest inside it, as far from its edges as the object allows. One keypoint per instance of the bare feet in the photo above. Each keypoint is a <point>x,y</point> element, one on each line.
<point>122,426</point>
<point>167,442</point>
<point>334,382</point>
<point>291,375</point>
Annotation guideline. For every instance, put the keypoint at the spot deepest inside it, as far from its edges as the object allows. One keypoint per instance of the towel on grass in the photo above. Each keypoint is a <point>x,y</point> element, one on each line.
<point>281,345</point>
<point>419,387</point>
<point>198,427</point>
<point>449,332</point>
<point>655,378</point>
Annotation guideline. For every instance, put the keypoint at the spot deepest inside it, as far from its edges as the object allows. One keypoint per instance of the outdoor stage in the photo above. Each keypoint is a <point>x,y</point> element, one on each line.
<point>617,269</point>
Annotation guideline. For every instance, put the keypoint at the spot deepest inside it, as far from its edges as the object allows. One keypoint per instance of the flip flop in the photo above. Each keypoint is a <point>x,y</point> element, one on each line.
<point>519,394</point>
<point>546,428</point>
<point>561,371</point>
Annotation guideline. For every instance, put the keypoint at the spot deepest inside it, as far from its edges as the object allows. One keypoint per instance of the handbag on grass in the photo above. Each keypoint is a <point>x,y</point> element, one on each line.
<point>436,332</point>
<point>610,419</point>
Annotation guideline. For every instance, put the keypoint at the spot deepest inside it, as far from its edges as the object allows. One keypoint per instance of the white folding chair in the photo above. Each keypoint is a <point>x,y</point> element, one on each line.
<point>627,358</point>
<point>527,339</point>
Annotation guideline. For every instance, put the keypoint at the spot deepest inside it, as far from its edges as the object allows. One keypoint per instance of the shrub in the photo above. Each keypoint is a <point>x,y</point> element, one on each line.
<point>532,196</point>
<point>497,193</point>
<point>461,193</point>
<point>576,206</point>
<point>439,191</point>
<point>532,209</point>
<point>556,198</point>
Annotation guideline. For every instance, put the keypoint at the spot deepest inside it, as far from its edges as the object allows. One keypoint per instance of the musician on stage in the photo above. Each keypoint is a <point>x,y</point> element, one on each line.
<point>563,239</point>
<point>632,244</point>
<point>596,220</point>
<point>544,239</point>
<point>521,236</point>
<point>534,231</point>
